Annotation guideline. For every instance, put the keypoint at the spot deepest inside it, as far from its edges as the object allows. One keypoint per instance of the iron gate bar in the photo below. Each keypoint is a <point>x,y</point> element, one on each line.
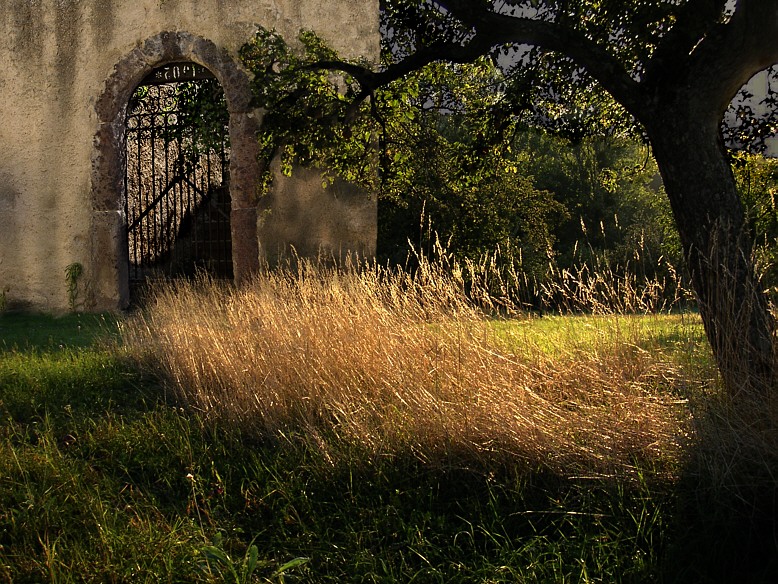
<point>176,181</point>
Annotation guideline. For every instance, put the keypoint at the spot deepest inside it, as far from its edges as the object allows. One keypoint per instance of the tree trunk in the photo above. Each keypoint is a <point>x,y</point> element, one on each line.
<point>717,246</point>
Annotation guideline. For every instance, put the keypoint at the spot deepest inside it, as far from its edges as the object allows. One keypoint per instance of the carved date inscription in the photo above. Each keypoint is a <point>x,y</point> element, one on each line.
<point>177,72</point>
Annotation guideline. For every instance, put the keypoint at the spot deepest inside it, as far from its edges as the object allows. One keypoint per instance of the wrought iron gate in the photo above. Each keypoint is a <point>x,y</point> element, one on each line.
<point>177,177</point>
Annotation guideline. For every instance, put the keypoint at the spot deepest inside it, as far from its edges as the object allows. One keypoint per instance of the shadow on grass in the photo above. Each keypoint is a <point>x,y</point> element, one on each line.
<point>41,332</point>
<point>725,523</point>
<point>92,460</point>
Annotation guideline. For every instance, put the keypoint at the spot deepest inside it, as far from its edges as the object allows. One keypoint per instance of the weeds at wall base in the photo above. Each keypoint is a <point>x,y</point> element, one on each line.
<point>73,273</point>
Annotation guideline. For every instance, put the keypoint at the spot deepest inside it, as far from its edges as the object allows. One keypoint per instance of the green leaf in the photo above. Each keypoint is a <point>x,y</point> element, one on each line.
<point>250,563</point>
<point>295,563</point>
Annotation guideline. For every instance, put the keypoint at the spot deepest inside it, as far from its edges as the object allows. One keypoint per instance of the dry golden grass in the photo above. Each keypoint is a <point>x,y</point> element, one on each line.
<point>384,363</point>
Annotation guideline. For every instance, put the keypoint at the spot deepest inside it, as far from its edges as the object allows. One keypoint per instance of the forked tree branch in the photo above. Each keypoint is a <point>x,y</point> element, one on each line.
<point>493,30</point>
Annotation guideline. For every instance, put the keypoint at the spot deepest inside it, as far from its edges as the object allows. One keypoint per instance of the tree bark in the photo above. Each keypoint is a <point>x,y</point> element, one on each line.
<point>711,223</point>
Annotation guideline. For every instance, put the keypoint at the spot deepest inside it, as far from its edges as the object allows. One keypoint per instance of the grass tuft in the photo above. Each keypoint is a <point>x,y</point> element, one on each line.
<point>387,363</point>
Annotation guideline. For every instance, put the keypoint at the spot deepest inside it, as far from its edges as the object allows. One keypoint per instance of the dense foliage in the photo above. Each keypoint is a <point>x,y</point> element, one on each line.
<point>444,174</point>
<point>312,116</point>
<point>479,187</point>
<point>429,144</point>
<point>757,178</point>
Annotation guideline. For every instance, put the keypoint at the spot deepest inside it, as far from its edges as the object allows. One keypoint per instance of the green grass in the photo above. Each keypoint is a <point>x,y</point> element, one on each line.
<point>46,332</point>
<point>672,333</point>
<point>102,479</point>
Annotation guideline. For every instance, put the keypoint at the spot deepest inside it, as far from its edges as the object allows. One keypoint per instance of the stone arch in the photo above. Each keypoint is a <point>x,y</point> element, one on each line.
<point>109,244</point>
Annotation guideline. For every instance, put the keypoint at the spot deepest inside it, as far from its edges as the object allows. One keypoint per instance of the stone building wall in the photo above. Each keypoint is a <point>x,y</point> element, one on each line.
<point>67,70</point>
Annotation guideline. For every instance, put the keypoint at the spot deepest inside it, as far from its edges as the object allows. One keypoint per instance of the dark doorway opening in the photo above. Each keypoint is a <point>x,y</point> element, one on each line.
<point>177,177</point>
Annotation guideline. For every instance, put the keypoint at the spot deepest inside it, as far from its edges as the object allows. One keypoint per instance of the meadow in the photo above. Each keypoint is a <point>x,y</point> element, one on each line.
<point>369,425</point>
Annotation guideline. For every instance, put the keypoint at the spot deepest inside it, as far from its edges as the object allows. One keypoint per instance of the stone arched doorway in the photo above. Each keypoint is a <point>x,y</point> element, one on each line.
<point>177,200</point>
<point>110,256</point>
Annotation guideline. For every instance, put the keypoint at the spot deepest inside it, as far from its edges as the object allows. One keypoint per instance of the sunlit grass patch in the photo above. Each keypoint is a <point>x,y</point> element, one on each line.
<point>669,333</point>
<point>388,363</point>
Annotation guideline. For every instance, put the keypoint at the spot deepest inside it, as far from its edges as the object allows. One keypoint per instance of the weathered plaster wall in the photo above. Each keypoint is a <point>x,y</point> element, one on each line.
<point>56,57</point>
<point>314,222</point>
